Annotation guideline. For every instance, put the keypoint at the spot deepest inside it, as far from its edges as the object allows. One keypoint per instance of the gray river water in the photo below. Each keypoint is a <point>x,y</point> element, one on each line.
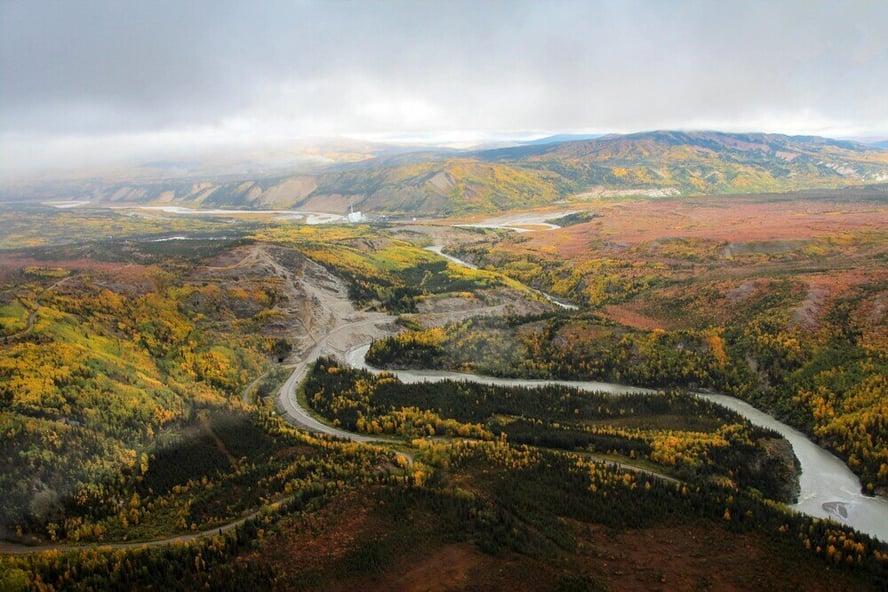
<point>828,487</point>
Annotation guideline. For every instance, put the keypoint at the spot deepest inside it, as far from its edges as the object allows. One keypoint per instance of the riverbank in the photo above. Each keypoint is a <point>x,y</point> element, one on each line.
<point>828,488</point>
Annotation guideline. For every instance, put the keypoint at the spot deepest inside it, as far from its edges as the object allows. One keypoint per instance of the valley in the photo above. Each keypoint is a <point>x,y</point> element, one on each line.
<point>444,296</point>
<point>149,384</point>
<point>403,183</point>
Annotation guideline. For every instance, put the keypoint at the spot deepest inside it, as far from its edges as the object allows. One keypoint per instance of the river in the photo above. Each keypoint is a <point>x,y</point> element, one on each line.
<point>828,488</point>
<point>520,223</point>
<point>437,250</point>
<point>310,218</point>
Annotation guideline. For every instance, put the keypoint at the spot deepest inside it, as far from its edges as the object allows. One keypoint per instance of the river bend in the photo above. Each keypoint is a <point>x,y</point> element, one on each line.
<point>828,487</point>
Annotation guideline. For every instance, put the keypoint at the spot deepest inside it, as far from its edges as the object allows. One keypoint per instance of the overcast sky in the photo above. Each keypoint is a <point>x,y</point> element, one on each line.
<point>83,82</point>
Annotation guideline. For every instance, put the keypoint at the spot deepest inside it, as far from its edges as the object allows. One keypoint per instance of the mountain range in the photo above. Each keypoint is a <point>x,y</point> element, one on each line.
<point>446,182</point>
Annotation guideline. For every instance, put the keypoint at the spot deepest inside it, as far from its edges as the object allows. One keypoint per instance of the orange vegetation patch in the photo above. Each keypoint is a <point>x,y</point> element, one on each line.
<point>316,548</point>
<point>840,282</point>
<point>715,218</point>
<point>114,275</point>
<point>320,538</point>
<point>700,558</point>
<point>133,270</point>
<point>455,567</point>
<point>451,567</point>
<point>626,314</point>
<point>821,288</point>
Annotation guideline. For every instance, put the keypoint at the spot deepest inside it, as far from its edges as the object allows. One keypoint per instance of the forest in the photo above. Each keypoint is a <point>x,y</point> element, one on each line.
<point>141,448</point>
<point>796,326</point>
<point>522,507</point>
<point>669,433</point>
<point>545,295</point>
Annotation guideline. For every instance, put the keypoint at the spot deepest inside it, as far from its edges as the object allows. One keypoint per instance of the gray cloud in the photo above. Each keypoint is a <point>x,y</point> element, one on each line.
<point>239,71</point>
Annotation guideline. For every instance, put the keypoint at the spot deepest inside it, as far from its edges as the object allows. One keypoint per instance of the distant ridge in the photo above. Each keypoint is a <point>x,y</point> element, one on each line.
<point>713,140</point>
<point>437,182</point>
<point>704,162</point>
<point>558,138</point>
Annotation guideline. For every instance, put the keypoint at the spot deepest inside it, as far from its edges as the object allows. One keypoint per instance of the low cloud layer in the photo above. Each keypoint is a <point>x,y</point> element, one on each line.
<point>100,79</point>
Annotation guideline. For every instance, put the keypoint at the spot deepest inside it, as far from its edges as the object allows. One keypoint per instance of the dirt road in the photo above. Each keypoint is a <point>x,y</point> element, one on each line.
<point>17,549</point>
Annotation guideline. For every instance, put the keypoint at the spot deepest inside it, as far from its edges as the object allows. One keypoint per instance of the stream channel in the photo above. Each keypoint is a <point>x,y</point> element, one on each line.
<point>828,488</point>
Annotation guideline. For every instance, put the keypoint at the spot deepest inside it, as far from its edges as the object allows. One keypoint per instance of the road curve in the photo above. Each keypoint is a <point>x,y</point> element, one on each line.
<point>20,549</point>
<point>288,403</point>
<point>32,317</point>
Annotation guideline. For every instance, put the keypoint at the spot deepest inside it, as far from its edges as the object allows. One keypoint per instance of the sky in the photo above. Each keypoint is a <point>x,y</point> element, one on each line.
<point>87,83</point>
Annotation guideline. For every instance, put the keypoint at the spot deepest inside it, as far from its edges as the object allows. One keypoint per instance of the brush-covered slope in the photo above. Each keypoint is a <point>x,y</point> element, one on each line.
<point>451,186</point>
<point>704,162</point>
<point>444,182</point>
<point>424,185</point>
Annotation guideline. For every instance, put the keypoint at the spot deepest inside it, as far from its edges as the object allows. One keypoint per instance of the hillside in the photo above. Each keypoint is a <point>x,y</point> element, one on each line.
<point>794,289</point>
<point>137,375</point>
<point>452,186</point>
<point>652,163</point>
<point>446,182</point>
<point>704,162</point>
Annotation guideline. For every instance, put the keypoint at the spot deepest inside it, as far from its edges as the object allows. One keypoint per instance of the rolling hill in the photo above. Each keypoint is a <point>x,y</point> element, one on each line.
<point>704,162</point>
<point>446,182</point>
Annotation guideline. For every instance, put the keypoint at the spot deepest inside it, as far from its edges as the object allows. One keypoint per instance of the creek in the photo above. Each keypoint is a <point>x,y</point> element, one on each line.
<point>828,488</point>
<point>565,305</point>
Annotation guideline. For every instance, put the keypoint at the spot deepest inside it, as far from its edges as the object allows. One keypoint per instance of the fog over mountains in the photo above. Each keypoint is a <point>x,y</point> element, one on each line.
<point>98,83</point>
<point>387,180</point>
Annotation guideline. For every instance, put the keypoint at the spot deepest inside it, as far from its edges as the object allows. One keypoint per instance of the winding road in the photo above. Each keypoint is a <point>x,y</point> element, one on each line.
<point>18,549</point>
<point>32,318</point>
<point>829,489</point>
<point>439,250</point>
<point>288,401</point>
